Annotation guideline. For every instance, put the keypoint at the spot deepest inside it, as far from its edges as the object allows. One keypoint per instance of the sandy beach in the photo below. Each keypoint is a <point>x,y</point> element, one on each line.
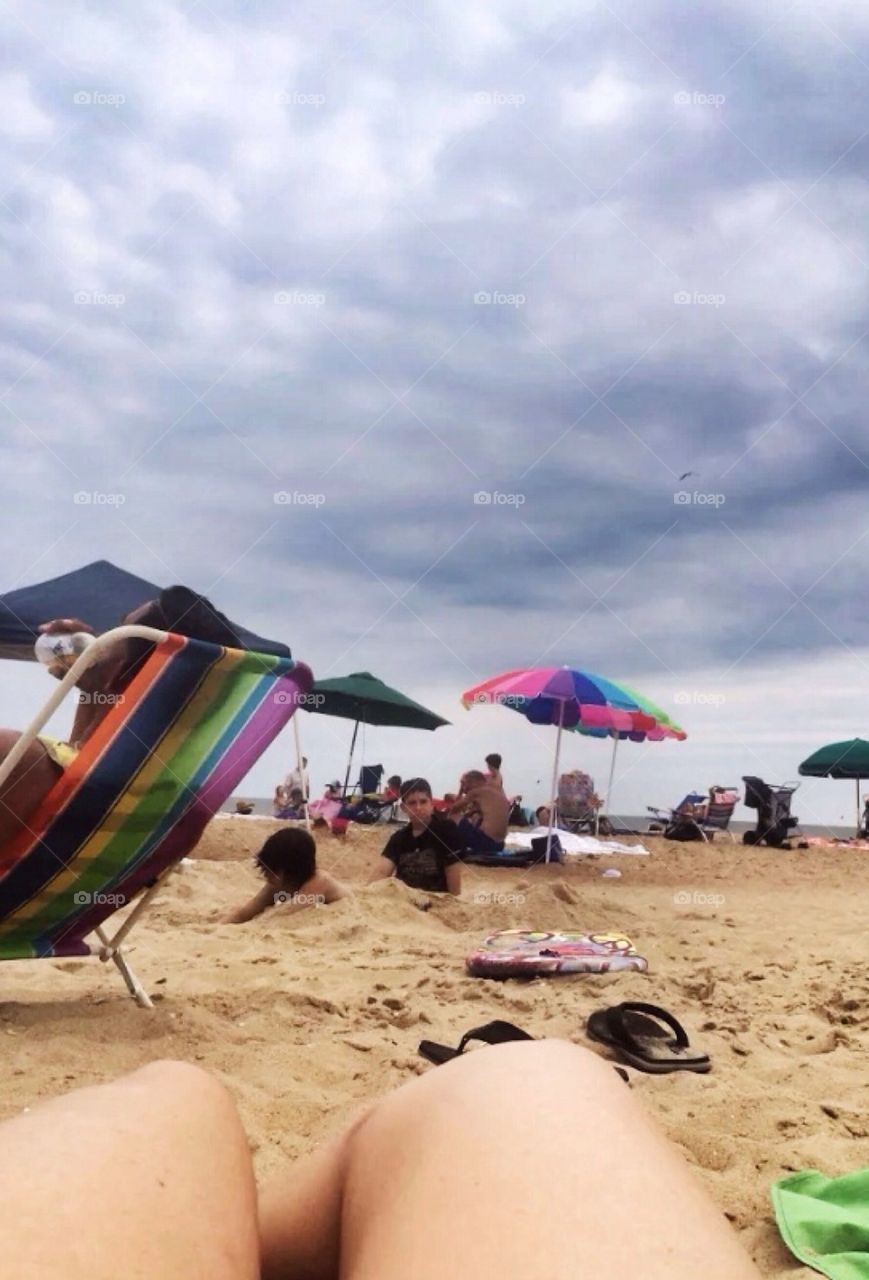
<point>309,1016</point>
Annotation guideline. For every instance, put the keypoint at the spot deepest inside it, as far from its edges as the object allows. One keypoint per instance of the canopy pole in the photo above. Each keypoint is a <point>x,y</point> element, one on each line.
<point>554,799</point>
<point>859,815</point>
<point>609,785</point>
<point>350,757</point>
<point>301,769</point>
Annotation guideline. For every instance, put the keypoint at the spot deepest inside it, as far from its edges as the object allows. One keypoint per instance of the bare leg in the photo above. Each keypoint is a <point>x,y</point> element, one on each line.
<point>149,1176</point>
<point>30,781</point>
<point>525,1159</point>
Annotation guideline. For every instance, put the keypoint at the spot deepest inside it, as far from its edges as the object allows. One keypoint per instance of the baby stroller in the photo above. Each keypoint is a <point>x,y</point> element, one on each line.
<point>773,805</point>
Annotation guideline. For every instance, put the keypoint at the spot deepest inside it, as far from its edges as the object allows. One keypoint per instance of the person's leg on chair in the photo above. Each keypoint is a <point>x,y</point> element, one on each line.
<point>524,1159</point>
<point>27,785</point>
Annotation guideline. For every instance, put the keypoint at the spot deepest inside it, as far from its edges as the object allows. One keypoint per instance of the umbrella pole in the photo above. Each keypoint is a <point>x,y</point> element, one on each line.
<point>609,785</point>
<point>554,800</point>
<point>302,774</point>
<point>858,806</point>
<point>350,757</point>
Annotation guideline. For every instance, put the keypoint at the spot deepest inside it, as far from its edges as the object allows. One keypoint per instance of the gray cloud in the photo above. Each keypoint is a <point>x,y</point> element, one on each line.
<point>375,174</point>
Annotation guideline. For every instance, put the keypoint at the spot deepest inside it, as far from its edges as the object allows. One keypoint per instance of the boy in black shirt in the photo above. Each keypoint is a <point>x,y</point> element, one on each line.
<point>424,854</point>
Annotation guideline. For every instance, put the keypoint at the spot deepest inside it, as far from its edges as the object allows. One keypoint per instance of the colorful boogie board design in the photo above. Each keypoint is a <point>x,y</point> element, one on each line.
<point>524,953</point>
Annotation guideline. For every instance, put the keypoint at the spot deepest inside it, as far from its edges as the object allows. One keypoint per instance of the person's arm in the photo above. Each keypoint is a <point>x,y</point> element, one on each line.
<point>88,712</point>
<point>454,878</point>
<point>255,907</point>
<point>384,869</point>
<point>461,807</point>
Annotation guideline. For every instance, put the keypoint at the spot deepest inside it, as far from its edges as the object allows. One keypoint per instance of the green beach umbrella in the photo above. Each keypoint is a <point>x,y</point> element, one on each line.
<point>367,700</point>
<point>840,760</point>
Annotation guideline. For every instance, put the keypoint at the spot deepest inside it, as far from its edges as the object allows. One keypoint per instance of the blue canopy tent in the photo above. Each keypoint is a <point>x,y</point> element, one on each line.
<point>99,594</point>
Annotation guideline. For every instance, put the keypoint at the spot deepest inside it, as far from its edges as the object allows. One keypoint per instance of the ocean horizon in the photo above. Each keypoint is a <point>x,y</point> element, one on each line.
<point>622,822</point>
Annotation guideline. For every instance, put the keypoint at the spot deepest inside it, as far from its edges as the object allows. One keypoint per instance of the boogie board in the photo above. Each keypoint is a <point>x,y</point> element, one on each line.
<point>525,953</point>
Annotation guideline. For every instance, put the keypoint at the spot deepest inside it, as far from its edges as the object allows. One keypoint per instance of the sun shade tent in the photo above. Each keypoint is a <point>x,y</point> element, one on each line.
<point>139,793</point>
<point>99,594</point>
<point>841,760</point>
<point>366,700</point>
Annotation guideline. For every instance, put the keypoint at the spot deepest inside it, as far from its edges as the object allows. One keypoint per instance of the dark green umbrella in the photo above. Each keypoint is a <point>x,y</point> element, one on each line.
<point>367,700</point>
<point>840,760</point>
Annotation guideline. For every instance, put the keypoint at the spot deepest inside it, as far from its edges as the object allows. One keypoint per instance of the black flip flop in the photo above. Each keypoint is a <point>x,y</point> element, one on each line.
<point>635,1032</point>
<point>496,1032</point>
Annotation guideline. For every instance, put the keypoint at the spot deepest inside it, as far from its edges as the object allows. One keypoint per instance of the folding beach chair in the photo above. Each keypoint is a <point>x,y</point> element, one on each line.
<point>686,826</point>
<point>365,804</point>
<point>139,793</point>
<point>578,807</point>
<point>368,783</point>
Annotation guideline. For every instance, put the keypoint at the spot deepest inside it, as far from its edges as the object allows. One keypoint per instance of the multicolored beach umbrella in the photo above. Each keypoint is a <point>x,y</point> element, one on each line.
<point>577,700</point>
<point>574,699</point>
<point>665,726</point>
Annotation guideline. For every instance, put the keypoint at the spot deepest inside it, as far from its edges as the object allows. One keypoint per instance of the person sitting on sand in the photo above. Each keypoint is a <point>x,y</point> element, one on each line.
<point>327,810</point>
<point>288,863</point>
<point>288,806</point>
<point>424,854</point>
<point>176,609</point>
<point>483,812</point>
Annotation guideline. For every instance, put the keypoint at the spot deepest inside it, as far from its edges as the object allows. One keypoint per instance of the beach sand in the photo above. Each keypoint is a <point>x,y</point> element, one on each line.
<point>306,1018</point>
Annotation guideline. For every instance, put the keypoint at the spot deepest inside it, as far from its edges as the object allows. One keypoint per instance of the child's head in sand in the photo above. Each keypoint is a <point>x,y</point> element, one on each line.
<point>288,859</point>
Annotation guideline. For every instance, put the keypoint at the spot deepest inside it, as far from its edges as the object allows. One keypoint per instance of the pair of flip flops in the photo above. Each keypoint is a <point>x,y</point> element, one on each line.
<point>646,1037</point>
<point>497,1032</point>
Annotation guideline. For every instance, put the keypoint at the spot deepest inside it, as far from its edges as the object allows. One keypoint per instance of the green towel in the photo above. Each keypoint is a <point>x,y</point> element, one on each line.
<point>825,1221</point>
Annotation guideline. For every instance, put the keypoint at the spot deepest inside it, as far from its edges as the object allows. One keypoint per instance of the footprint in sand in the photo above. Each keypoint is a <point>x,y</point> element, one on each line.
<point>564,893</point>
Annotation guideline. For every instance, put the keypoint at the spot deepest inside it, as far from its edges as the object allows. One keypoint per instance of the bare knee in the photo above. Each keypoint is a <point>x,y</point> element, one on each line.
<point>187,1088</point>
<point>488,1083</point>
<point>524,1067</point>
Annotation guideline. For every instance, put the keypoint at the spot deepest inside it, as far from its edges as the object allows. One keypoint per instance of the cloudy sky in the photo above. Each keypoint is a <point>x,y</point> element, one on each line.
<point>393,328</point>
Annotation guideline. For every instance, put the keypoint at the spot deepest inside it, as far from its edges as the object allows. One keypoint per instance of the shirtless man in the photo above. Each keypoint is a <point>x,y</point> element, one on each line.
<point>482,812</point>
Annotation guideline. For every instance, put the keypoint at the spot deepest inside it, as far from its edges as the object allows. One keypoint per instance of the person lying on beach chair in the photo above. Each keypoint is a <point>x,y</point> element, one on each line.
<point>288,864</point>
<point>460,1146</point>
<point>483,812</point>
<point>699,817</point>
<point>424,854</point>
<point>693,805</point>
<point>177,609</point>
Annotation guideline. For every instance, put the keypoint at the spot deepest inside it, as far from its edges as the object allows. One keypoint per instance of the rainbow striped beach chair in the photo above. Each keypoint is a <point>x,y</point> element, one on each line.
<point>139,794</point>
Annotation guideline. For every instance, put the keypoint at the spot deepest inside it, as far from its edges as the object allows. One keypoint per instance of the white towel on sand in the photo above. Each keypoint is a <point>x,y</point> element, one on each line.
<point>570,843</point>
